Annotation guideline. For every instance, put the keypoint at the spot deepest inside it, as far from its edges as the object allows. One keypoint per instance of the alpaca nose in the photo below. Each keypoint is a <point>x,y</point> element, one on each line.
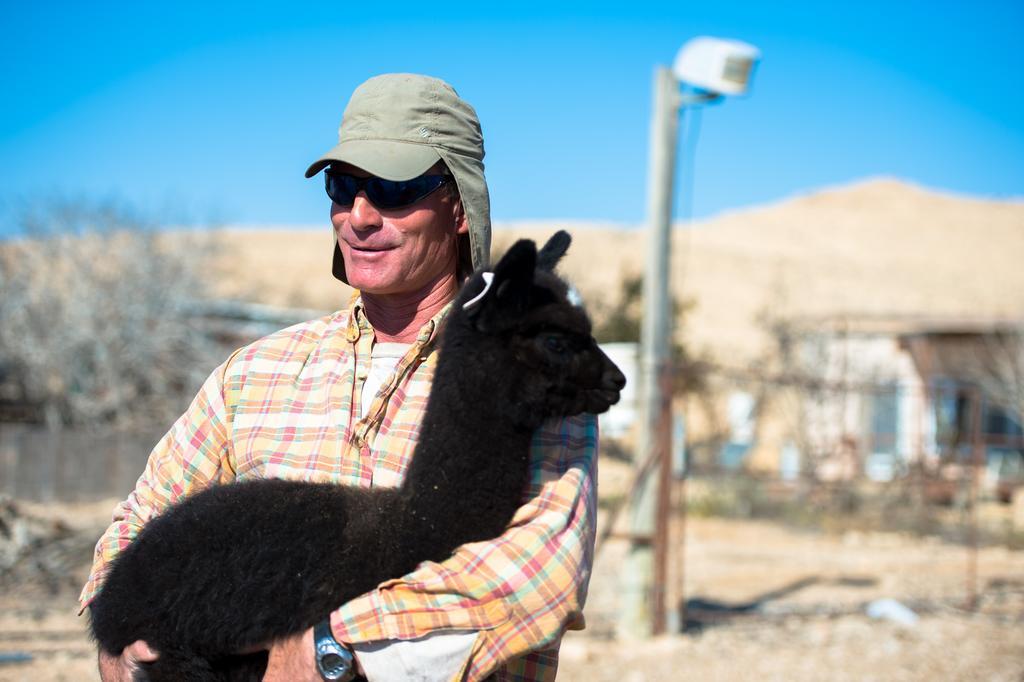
<point>613,379</point>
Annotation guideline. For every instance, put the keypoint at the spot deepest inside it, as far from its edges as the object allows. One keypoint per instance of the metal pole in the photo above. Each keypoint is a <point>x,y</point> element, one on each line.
<point>636,618</point>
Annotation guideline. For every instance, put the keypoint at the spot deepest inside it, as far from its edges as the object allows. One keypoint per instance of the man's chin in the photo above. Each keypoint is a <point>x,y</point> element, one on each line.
<point>373,284</point>
<point>371,274</point>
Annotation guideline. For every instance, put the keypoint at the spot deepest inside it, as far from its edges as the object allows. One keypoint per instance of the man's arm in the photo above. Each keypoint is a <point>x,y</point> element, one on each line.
<point>192,455</point>
<point>519,591</point>
<point>122,668</point>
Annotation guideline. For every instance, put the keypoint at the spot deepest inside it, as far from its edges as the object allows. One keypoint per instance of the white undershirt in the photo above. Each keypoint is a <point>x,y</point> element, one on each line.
<point>436,657</point>
<point>384,358</point>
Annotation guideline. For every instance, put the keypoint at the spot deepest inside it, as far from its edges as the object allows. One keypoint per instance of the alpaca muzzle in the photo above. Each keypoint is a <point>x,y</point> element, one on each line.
<point>609,389</point>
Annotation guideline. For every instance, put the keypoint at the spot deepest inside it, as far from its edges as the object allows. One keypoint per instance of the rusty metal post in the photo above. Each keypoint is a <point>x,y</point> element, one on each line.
<point>680,545</point>
<point>926,403</point>
<point>664,507</point>
<point>977,455</point>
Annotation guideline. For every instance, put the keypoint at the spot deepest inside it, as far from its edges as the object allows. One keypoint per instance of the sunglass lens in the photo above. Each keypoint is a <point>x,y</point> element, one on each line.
<point>342,189</point>
<point>387,194</point>
<point>390,194</point>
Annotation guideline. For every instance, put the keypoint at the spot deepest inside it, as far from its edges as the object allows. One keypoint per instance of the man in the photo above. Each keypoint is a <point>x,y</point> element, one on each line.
<point>340,399</point>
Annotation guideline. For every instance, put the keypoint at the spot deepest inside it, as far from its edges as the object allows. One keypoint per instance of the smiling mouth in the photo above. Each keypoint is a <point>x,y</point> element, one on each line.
<point>370,249</point>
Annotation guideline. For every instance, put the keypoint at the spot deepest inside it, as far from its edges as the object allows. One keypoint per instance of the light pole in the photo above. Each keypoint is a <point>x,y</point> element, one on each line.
<point>712,67</point>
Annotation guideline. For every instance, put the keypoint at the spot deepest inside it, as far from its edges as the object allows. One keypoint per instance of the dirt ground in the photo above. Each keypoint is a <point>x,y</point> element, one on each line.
<point>810,624</point>
<point>813,591</point>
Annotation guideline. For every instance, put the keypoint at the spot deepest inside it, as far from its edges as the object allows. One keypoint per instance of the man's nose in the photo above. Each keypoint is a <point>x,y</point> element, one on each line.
<point>364,215</point>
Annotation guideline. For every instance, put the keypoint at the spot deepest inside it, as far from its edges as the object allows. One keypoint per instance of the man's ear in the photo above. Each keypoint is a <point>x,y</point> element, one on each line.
<point>461,219</point>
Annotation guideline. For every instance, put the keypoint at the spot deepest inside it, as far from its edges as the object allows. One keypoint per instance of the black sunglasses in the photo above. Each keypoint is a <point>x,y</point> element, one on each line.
<point>342,188</point>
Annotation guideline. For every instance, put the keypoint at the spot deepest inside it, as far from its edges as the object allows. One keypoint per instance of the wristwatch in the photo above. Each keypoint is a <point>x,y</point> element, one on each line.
<point>334,661</point>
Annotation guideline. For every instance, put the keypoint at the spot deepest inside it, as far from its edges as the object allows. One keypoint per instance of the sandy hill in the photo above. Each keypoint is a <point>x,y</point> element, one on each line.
<point>878,247</point>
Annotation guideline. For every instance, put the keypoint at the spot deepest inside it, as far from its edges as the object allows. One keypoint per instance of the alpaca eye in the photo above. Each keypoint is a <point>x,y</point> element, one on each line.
<point>555,344</point>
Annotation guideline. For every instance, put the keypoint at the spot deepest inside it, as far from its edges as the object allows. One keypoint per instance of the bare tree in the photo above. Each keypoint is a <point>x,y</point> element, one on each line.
<point>804,374</point>
<point>94,309</point>
<point>999,369</point>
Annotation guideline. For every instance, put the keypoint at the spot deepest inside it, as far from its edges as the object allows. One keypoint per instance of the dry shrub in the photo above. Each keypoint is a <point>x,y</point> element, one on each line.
<point>95,323</point>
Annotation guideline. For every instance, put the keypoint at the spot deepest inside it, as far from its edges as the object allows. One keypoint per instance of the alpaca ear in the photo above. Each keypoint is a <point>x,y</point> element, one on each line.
<point>507,288</point>
<point>553,251</point>
<point>513,276</point>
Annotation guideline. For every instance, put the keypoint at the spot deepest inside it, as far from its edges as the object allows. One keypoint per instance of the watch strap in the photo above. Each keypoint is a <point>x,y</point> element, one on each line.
<point>334,661</point>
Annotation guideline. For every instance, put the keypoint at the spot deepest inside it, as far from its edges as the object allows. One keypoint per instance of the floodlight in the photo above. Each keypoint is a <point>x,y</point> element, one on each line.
<point>720,66</point>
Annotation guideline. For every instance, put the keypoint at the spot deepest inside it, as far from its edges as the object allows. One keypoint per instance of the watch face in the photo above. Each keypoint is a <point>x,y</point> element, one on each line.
<point>332,666</point>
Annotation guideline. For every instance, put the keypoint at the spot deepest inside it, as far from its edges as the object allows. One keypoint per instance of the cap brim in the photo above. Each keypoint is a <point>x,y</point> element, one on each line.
<point>386,159</point>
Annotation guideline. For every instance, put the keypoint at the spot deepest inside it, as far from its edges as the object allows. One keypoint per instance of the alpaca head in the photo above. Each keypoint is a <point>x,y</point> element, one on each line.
<point>521,317</point>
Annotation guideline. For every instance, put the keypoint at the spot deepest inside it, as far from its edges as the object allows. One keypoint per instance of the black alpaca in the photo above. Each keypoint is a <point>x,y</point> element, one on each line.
<point>240,565</point>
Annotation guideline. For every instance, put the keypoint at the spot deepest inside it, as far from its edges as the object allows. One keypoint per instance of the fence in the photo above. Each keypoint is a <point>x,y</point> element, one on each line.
<point>70,465</point>
<point>911,461</point>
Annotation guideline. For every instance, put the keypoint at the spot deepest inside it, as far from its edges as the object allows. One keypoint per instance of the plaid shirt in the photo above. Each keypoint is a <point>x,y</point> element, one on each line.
<point>285,407</point>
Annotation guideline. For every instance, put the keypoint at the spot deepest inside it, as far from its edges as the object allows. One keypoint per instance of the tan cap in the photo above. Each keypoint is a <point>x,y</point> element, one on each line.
<point>396,126</point>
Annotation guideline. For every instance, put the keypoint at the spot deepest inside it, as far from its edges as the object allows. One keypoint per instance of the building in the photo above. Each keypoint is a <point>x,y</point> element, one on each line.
<point>880,396</point>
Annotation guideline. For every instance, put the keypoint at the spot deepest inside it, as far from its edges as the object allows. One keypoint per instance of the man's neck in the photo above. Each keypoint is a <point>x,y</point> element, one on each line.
<point>398,318</point>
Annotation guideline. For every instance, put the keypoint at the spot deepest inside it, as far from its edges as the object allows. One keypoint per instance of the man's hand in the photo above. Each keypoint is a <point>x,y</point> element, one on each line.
<point>122,668</point>
<point>292,660</point>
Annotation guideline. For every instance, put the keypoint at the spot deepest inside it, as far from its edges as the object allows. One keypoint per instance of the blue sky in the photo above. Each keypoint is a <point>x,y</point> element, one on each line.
<point>212,111</point>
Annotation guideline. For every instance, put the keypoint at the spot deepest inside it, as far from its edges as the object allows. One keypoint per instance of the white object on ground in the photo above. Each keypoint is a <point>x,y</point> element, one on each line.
<point>890,609</point>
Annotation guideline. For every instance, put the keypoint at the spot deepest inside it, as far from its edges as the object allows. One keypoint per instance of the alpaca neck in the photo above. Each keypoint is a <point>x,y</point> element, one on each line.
<point>469,469</point>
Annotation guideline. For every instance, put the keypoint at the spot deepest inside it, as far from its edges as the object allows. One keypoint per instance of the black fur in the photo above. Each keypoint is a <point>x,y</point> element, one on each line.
<point>240,565</point>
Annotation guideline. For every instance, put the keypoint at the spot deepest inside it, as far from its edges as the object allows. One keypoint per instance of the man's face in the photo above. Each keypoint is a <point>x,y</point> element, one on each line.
<point>398,251</point>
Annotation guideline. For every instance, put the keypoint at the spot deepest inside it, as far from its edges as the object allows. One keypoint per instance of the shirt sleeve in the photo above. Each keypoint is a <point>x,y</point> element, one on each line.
<point>192,455</point>
<point>520,591</point>
<point>434,658</point>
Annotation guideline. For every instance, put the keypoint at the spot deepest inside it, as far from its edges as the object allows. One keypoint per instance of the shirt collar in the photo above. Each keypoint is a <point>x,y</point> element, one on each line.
<point>359,325</point>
